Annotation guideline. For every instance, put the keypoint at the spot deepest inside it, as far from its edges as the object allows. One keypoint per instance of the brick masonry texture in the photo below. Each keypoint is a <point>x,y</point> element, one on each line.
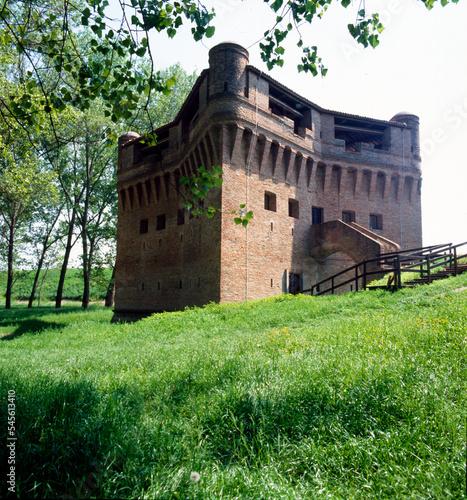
<point>269,141</point>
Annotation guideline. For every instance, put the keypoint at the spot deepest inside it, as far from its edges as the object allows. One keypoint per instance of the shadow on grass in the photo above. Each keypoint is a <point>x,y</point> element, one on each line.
<point>66,431</point>
<point>31,326</point>
<point>28,321</point>
<point>244,425</point>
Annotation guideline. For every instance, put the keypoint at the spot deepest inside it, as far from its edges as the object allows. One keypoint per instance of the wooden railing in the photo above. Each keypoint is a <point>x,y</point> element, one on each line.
<point>423,261</point>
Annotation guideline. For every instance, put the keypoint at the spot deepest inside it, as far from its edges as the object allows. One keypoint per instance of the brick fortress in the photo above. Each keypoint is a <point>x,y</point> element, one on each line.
<point>327,190</point>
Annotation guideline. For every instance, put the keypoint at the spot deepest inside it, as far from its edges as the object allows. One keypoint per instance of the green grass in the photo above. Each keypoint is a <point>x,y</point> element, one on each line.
<point>72,289</point>
<point>295,397</point>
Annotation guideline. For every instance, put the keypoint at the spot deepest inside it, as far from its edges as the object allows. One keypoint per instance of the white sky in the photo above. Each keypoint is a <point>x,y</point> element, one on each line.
<point>420,66</point>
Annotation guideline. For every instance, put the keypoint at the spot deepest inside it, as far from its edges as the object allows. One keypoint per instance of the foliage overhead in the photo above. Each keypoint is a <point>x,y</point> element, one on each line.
<point>56,71</point>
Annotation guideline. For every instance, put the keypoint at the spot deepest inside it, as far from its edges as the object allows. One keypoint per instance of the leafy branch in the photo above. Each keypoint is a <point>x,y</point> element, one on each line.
<point>198,185</point>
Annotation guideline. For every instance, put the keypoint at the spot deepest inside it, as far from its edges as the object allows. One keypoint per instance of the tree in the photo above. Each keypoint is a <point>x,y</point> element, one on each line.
<point>99,195</point>
<point>43,236</point>
<point>162,108</point>
<point>23,184</point>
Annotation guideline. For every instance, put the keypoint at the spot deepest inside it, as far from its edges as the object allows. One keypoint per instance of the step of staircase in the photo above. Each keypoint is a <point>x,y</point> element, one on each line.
<point>419,281</point>
<point>461,268</point>
<point>445,273</point>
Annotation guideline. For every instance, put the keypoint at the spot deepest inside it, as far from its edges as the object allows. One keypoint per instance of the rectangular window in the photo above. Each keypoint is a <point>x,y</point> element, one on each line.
<point>269,201</point>
<point>348,217</point>
<point>294,208</point>
<point>143,226</point>
<point>316,215</point>
<point>181,217</point>
<point>160,222</point>
<point>376,221</point>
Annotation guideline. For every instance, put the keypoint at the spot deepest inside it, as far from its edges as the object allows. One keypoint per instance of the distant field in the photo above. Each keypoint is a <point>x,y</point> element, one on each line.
<point>73,288</point>
<point>360,396</point>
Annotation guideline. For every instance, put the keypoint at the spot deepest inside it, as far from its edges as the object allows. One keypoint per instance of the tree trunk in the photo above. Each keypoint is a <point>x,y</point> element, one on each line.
<point>34,285</point>
<point>61,281</point>
<point>40,288</point>
<point>45,248</point>
<point>11,241</point>
<point>84,232</point>
<point>110,297</point>
<point>86,270</point>
<point>36,277</point>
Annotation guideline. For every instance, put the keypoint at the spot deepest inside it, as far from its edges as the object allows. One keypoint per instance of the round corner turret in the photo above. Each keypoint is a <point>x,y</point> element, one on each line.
<point>127,137</point>
<point>412,121</point>
<point>405,117</point>
<point>227,69</point>
<point>126,151</point>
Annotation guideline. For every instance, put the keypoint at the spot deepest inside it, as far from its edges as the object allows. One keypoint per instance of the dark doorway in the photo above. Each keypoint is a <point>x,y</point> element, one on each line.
<point>294,283</point>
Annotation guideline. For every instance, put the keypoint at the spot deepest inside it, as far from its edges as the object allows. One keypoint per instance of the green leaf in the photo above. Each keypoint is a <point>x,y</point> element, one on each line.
<point>373,39</point>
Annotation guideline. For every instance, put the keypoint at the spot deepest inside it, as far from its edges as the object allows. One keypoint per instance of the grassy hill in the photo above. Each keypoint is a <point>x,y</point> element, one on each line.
<point>72,290</point>
<point>294,397</point>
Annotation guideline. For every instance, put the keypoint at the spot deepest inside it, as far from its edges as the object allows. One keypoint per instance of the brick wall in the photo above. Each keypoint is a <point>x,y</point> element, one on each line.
<point>272,142</point>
